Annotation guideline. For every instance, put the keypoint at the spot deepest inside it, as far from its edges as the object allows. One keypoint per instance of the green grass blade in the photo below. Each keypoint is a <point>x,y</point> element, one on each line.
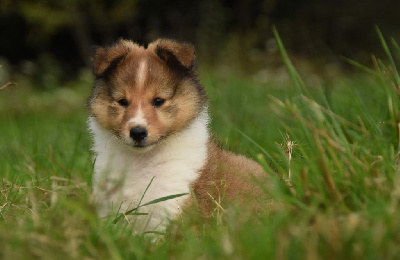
<point>138,214</point>
<point>134,209</point>
<point>396,47</point>
<point>155,232</point>
<point>297,82</point>
<point>388,54</point>
<point>170,197</point>
<point>251,140</point>
<point>144,193</point>
<point>265,152</point>
<point>360,66</point>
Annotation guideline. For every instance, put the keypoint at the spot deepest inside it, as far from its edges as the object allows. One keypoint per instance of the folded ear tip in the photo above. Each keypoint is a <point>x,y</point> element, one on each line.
<point>98,58</point>
<point>183,52</point>
<point>107,57</point>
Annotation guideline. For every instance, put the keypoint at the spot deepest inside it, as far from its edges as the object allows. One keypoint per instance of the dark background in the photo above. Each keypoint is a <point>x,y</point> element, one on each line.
<point>48,34</point>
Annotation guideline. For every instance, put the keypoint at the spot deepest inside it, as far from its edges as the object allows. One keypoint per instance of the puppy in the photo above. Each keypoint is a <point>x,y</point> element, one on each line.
<point>149,121</point>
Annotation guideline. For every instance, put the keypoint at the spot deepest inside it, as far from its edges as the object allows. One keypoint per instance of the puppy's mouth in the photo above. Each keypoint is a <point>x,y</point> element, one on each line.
<point>144,144</point>
<point>139,145</point>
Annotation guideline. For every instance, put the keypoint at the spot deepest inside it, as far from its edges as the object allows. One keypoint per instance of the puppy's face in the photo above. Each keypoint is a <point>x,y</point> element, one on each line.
<point>145,95</point>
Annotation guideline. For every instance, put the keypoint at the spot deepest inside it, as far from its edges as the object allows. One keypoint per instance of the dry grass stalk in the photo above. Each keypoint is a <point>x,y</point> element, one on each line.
<point>339,118</point>
<point>330,184</point>
<point>7,85</point>
<point>304,182</point>
<point>287,146</point>
<point>328,180</point>
<point>397,167</point>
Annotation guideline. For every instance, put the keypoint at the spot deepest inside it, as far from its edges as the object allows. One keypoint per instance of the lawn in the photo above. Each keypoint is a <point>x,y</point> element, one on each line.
<point>331,147</point>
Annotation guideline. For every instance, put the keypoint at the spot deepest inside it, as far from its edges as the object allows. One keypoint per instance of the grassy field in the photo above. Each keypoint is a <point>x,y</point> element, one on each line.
<point>331,145</point>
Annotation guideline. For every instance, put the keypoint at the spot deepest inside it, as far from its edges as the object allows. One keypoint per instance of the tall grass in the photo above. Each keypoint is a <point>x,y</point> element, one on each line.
<point>334,164</point>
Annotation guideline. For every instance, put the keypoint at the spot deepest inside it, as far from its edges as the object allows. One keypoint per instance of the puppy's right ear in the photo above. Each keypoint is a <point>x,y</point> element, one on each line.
<point>106,59</point>
<point>175,54</point>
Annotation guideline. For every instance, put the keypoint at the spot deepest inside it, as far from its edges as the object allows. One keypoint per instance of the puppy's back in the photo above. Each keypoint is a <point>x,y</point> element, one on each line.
<point>227,178</point>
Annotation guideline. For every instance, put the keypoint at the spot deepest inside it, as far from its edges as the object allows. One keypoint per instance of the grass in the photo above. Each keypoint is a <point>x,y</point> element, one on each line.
<point>341,199</point>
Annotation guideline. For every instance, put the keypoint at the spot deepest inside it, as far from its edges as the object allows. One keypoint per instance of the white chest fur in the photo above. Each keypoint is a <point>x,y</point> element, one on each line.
<point>121,174</point>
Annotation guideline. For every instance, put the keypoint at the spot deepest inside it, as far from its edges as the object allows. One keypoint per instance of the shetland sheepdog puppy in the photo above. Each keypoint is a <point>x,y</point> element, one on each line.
<point>149,121</point>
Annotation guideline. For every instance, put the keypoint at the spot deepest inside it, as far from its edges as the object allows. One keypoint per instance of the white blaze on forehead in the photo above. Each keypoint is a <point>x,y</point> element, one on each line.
<point>138,119</point>
<point>141,74</point>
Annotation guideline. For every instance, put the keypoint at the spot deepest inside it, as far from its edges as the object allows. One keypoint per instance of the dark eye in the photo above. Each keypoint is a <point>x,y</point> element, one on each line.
<point>157,102</point>
<point>123,102</point>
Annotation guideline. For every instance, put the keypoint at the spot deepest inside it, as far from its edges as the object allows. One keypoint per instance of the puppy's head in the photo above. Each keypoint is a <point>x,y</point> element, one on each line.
<point>144,95</point>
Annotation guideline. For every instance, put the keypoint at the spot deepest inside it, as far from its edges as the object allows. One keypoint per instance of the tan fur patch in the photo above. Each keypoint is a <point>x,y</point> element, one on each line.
<point>228,178</point>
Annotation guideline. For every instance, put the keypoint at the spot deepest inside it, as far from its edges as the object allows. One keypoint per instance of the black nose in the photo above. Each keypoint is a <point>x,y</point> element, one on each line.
<point>138,133</point>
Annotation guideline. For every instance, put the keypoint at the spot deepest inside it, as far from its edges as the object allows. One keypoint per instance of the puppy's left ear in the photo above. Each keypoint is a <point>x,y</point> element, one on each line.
<point>176,54</point>
<point>106,59</point>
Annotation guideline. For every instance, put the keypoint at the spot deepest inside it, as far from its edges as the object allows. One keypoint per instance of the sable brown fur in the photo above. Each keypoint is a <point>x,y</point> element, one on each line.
<point>229,178</point>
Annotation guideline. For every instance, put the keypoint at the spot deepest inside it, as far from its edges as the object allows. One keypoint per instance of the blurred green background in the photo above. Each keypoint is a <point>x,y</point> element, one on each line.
<point>53,40</point>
